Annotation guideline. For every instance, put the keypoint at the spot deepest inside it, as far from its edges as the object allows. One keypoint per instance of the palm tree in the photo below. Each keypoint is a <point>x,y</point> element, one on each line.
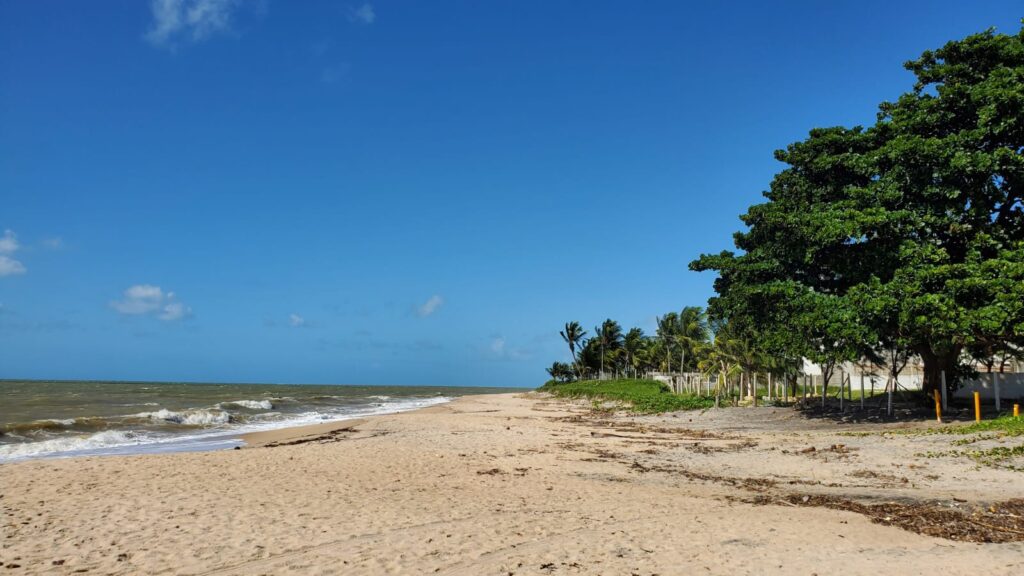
<point>560,372</point>
<point>633,345</point>
<point>667,327</point>
<point>722,356</point>
<point>691,331</point>
<point>609,337</point>
<point>573,336</point>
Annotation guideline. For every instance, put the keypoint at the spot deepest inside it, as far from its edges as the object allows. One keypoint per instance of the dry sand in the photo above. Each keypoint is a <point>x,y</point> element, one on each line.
<point>506,484</point>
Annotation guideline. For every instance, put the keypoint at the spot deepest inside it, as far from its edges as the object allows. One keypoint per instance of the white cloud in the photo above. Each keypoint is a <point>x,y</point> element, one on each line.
<point>191,19</point>
<point>167,20</point>
<point>174,311</point>
<point>8,246</point>
<point>498,346</point>
<point>10,266</point>
<point>146,299</point>
<point>430,306</point>
<point>9,243</point>
<point>296,321</point>
<point>55,243</point>
<point>364,14</point>
<point>499,349</point>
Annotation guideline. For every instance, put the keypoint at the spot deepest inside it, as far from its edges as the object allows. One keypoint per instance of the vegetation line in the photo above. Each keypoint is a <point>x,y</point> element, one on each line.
<point>642,396</point>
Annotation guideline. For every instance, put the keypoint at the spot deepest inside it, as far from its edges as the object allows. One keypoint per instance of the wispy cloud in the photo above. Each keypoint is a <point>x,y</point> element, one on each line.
<point>296,321</point>
<point>146,299</point>
<point>55,243</point>
<point>499,349</point>
<point>8,246</point>
<point>498,346</point>
<point>193,20</point>
<point>430,306</point>
<point>363,14</point>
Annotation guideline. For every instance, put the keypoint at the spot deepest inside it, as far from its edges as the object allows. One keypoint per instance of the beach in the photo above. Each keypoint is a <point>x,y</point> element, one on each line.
<point>518,484</point>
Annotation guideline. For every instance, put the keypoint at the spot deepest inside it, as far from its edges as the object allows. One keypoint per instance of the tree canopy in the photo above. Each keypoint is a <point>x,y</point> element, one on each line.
<point>906,235</point>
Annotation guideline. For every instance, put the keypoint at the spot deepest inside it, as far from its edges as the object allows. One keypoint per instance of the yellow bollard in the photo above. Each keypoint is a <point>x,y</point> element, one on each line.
<point>977,407</point>
<point>938,406</point>
<point>1016,410</point>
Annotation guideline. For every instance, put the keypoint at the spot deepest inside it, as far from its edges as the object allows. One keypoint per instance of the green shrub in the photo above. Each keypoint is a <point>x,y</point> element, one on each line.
<point>644,396</point>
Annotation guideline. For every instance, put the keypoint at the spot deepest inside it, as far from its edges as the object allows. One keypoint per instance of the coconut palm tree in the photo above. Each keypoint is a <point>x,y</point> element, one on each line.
<point>633,345</point>
<point>668,325</point>
<point>560,372</point>
<point>609,337</point>
<point>573,336</point>
<point>691,332</point>
<point>721,356</point>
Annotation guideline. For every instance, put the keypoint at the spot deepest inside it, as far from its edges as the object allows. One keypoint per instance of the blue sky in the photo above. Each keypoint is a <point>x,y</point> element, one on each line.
<point>398,192</point>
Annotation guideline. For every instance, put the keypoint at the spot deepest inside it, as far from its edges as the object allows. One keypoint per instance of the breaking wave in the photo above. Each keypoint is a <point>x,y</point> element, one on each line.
<point>105,439</point>
<point>250,404</point>
<point>189,417</point>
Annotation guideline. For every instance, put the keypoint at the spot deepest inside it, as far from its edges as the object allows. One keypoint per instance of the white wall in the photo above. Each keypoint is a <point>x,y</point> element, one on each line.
<point>1011,385</point>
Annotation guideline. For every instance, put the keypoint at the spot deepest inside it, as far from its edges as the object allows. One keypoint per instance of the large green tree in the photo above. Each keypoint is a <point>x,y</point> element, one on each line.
<point>907,234</point>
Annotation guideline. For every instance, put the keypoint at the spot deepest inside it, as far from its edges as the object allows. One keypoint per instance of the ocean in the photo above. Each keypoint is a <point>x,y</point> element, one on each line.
<point>41,419</point>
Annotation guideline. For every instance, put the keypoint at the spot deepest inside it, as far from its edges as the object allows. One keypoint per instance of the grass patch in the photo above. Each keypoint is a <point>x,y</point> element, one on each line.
<point>1005,425</point>
<point>1002,426</point>
<point>643,396</point>
<point>997,456</point>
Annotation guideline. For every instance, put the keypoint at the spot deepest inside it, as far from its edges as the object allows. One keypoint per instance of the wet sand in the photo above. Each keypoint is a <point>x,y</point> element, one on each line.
<point>517,484</point>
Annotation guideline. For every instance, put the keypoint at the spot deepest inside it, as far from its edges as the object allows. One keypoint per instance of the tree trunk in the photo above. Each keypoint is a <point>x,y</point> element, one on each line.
<point>934,365</point>
<point>826,375</point>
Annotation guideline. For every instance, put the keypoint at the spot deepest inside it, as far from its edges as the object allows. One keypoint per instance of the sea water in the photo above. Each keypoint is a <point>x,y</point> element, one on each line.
<point>59,419</point>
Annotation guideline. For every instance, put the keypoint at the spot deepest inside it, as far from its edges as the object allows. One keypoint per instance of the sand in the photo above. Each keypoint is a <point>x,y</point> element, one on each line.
<point>506,484</point>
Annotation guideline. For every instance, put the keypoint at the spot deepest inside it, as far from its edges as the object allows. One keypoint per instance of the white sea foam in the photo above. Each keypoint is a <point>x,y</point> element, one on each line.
<point>223,436</point>
<point>62,422</point>
<point>103,439</point>
<point>250,404</point>
<point>189,417</point>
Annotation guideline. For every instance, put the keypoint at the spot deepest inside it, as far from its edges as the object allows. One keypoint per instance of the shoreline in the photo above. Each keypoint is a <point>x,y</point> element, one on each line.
<point>311,432</point>
<point>201,440</point>
<point>518,483</point>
